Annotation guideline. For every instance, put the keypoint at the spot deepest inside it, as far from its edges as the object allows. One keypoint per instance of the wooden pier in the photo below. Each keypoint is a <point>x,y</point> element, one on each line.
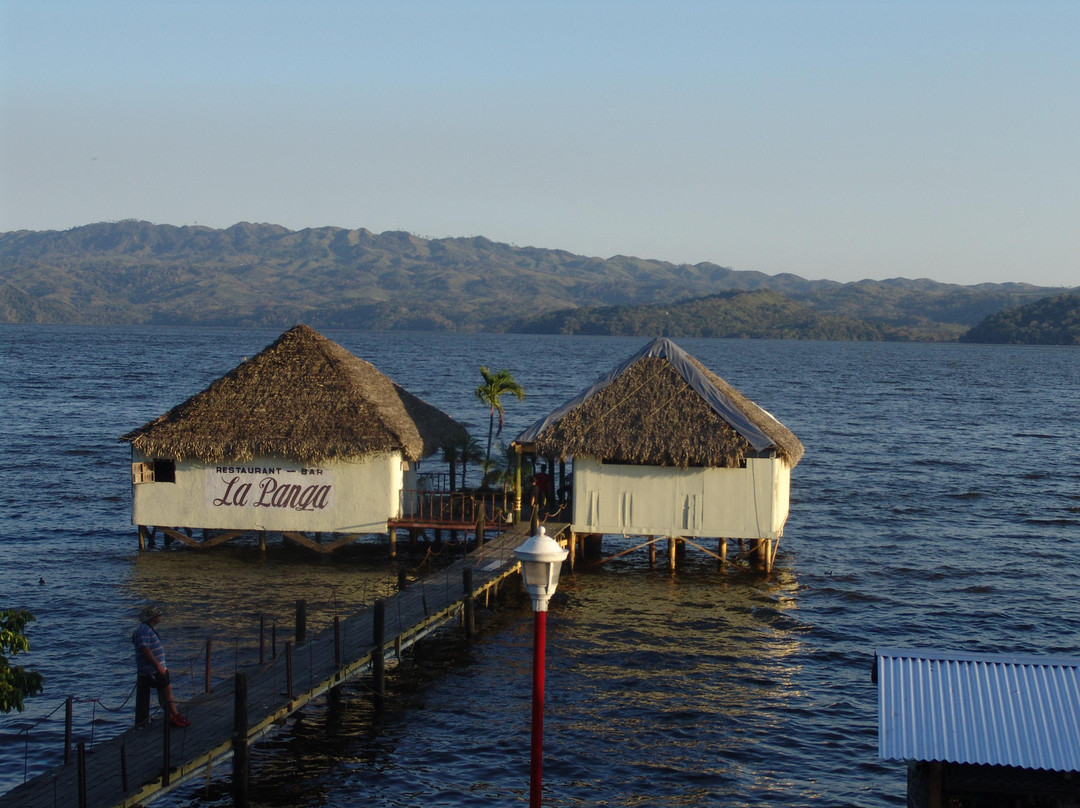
<point>147,761</point>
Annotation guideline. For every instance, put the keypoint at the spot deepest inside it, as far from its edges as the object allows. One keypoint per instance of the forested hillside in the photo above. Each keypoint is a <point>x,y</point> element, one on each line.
<point>134,272</point>
<point>741,315</point>
<point>1051,321</point>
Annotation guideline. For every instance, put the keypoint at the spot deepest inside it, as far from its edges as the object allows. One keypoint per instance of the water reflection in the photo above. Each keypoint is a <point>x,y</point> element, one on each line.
<point>662,689</point>
<point>220,595</point>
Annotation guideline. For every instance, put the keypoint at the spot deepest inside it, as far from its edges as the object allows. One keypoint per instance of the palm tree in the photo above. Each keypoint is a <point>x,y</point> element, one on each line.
<point>468,452</point>
<point>451,453</point>
<point>495,386</point>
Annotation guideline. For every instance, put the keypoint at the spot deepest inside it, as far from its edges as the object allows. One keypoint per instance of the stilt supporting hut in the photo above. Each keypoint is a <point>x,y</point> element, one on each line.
<point>663,447</point>
<point>304,439</point>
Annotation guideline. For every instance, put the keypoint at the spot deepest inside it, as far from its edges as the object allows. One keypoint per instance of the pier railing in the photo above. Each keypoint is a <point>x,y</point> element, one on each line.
<point>424,507</point>
<point>141,763</point>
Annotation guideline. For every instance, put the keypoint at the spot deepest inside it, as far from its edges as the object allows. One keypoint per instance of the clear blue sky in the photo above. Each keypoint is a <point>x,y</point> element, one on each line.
<point>838,140</point>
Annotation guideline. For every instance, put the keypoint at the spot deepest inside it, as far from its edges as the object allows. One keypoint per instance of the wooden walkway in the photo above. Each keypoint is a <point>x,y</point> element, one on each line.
<point>130,769</point>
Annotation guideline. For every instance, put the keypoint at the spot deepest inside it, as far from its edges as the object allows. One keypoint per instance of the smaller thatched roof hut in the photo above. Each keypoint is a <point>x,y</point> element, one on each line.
<point>661,446</point>
<point>305,398</point>
<point>662,407</point>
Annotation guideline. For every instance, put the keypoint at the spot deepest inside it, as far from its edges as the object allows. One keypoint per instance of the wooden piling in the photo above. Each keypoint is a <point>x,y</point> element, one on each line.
<point>378,658</point>
<point>68,709</point>
<point>82,774</point>
<point>391,535</point>
<point>469,607</point>
<point>288,670</point>
<point>571,545</point>
<point>301,622</point>
<point>337,641</point>
<point>652,552</point>
<point>240,759</point>
<point>721,550</point>
<point>166,751</point>
<point>671,553</point>
<point>142,700</point>
<point>209,668</point>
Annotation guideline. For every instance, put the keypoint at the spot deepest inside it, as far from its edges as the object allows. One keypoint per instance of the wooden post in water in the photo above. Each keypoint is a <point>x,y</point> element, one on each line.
<point>239,741</point>
<point>82,774</point>
<point>337,642</point>
<point>652,552</point>
<point>721,550</point>
<point>301,622</point>
<point>262,541</point>
<point>142,537</point>
<point>142,700</point>
<point>469,610</point>
<point>571,545</point>
<point>67,729</point>
<point>288,670</point>
<point>391,535</point>
<point>166,750</point>
<point>671,553</point>
<point>378,659</point>
<point>209,657</point>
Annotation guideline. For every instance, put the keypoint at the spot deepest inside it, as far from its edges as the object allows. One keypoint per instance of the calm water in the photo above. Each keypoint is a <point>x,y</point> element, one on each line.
<point>938,505</point>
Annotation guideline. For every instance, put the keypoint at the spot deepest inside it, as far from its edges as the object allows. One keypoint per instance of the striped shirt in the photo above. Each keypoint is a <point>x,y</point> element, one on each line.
<point>146,637</point>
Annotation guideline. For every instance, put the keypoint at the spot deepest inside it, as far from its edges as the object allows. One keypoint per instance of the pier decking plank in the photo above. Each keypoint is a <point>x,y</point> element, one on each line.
<point>409,616</point>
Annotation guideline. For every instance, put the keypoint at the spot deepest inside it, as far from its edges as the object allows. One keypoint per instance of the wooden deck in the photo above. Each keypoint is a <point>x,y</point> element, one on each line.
<point>131,769</point>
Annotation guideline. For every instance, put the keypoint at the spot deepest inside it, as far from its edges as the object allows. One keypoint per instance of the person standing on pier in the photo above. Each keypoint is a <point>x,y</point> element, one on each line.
<point>150,662</point>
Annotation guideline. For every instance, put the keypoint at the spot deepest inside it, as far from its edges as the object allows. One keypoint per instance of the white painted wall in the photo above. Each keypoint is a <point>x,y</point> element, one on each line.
<point>652,500</point>
<point>355,496</point>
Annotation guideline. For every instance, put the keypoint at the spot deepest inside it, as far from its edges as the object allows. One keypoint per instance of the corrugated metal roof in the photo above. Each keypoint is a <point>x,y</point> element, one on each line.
<point>994,709</point>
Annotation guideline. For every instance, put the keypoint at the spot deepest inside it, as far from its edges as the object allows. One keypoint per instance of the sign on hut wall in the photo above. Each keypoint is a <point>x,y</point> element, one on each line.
<point>355,495</point>
<point>303,488</point>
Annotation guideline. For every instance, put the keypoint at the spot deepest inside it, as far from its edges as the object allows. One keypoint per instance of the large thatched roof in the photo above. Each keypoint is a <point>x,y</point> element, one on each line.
<point>303,398</point>
<point>663,408</point>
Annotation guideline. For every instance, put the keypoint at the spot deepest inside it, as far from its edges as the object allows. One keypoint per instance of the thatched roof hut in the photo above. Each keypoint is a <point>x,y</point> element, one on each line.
<point>305,398</point>
<point>663,408</point>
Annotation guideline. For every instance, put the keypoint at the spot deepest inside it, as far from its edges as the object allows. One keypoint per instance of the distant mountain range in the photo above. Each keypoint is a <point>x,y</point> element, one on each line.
<point>134,272</point>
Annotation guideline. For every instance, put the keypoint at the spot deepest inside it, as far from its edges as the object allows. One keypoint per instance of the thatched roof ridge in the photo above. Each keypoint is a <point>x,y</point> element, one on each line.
<point>662,407</point>
<point>303,398</point>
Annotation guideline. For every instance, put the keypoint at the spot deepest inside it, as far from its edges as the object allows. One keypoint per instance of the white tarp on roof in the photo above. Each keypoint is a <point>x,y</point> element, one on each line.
<point>992,709</point>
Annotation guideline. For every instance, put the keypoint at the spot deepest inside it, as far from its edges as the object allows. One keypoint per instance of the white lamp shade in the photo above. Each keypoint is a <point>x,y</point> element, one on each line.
<point>541,560</point>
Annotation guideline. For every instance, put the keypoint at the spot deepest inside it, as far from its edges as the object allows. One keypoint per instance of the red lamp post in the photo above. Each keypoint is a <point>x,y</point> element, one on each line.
<point>541,560</point>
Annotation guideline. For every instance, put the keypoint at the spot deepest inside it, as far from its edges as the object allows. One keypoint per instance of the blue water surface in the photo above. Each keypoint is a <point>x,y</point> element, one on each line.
<point>937,506</point>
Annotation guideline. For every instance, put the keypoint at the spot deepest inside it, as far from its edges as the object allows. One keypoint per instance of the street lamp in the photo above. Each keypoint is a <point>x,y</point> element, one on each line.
<point>541,559</point>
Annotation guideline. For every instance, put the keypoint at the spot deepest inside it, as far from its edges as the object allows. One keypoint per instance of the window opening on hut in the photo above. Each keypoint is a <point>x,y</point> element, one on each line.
<point>164,471</point>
